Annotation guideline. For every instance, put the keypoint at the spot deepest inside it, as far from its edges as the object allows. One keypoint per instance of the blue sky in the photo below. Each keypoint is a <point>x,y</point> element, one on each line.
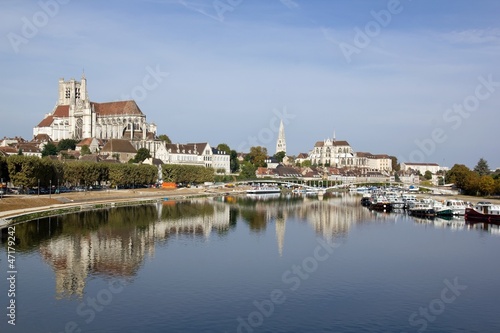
<point>415,79</point>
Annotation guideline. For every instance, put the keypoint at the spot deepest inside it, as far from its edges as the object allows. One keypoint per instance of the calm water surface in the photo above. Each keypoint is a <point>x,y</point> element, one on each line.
<point>244,265</point>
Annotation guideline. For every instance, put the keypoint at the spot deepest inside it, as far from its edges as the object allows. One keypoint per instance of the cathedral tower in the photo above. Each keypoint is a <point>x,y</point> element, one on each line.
<point>281,143</point>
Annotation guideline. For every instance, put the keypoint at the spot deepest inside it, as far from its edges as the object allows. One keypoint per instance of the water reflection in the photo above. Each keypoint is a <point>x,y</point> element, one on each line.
<point>115,242</point>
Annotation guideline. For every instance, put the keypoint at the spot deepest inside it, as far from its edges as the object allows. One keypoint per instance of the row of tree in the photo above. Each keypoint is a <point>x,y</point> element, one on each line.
<point>30,171</point>
<point>479,181</point>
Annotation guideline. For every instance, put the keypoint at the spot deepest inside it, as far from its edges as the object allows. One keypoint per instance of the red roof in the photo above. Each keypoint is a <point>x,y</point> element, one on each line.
<point>62,111</point>
<point>46,122</point>
<point>117,108</point>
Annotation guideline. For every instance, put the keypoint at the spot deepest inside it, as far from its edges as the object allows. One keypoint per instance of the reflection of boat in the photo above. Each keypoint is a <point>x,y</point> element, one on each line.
<point>264,190</point>
<point>483,212</point>
<point>263,196</point>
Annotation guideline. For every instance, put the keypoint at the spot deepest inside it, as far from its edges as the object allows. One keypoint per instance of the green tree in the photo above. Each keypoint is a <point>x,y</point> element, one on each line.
<point>486,185</point>
<point>24,171</point>
<point>257,156</point>
<point>20,152</point>
<point>49,149</point>
<point>66,144</point>
<point>4,169</point>
<point>428,175</point>
<point>142,154</point>
<point>164,138</point>
<point>224,147</point>
<point>482,167</point>
<point>247,171</point>
<point>394,163</point>
<point>306,163</point>
<point>280,156</point>
<point>458,175</point>
<point>178,173</point>
<point>85,150</point>
<point>234,163</point>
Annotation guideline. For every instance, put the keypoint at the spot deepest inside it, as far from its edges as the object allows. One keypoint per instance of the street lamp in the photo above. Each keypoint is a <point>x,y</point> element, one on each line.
<point>50,189</point>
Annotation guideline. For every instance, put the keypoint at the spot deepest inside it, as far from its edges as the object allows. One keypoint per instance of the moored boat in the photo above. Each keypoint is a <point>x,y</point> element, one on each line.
<point>264,190</point>
<point>457,206</point>
<point>483,212</point>
<point>422,209</point>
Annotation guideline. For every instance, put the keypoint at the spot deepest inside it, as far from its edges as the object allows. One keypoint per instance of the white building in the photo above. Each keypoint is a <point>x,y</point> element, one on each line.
<point>201,154</point>
<point>281,142</point>
<point>76,117</point>
<point>421,167</point>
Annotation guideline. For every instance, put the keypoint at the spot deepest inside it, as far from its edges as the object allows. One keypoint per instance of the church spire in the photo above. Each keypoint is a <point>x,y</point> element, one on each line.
<point>281,143</point>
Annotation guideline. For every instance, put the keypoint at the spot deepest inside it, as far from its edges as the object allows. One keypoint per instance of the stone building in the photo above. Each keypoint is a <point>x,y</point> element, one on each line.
<point>75,116</point>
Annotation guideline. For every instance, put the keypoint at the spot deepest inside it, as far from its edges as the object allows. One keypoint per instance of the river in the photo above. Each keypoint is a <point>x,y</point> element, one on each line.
<point>288,264</point>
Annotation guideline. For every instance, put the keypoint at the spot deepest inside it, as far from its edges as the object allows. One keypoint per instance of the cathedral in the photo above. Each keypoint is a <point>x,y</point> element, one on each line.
<point>76,117</point>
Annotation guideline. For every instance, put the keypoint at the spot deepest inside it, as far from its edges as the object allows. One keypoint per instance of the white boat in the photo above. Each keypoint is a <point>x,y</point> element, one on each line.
<point>396,201</point>
<point>457,206</point>
<point>409,200</point>
<point>264,190</point>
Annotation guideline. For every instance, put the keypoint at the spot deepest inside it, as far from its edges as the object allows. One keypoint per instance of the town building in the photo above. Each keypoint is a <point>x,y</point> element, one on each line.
<point>420,167</point>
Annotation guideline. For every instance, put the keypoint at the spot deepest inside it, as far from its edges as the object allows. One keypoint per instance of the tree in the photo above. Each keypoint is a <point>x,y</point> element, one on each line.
<point>66,144</point>
<point>4,170</point>
<point>164,138</point>
<point>142,154</point>
<point>482,167</point>
<point>24,170</point>
<point>234,163</point>
<point>247,170</point>
<point>85,150</point>
<point>280,156</point>
<point>306,163</point>
<point>257,156</point>
<point>458,175</point>
<point>224,147</point>
<point>428,175</point>
<point>49,149</point>
<point>486,185</point>
<point>395,164</point>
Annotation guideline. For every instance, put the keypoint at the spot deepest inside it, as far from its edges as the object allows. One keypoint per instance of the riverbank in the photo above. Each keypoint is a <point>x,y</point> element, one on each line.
<point>16,208</point>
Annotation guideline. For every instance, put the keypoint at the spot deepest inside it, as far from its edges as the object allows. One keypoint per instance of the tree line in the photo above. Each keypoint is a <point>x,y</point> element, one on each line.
<point>480,181</point>
<point>31,171</point>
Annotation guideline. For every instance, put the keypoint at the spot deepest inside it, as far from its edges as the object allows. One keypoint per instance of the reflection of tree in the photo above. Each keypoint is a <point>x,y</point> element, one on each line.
<point>113,242</point>
<point>255,219</point>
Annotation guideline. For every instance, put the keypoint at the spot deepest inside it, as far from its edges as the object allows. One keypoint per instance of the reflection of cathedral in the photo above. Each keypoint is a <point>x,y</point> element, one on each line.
<point>121,251</point>
<point>76,117</point>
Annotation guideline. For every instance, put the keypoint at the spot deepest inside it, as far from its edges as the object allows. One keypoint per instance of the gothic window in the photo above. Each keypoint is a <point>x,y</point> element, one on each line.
<point>77,93</point>
<point>68,93</point>
<point>78,128</point>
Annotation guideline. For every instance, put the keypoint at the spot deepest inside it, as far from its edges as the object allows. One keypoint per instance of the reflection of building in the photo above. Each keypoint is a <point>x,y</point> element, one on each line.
<point>119,250</point>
